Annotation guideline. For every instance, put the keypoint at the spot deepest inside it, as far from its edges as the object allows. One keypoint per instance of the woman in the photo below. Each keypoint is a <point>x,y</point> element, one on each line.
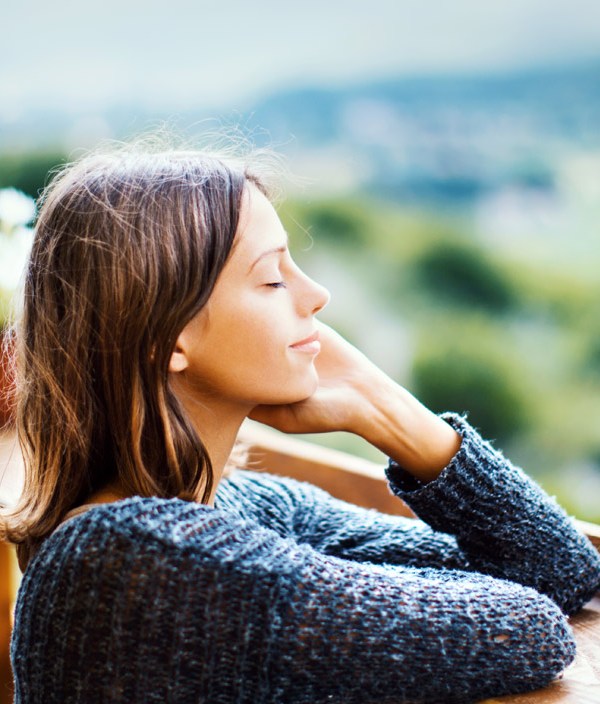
<point>161,308</point>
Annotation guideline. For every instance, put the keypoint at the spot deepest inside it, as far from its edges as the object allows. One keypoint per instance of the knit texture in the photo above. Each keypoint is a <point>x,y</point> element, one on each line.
<point>281,594</point>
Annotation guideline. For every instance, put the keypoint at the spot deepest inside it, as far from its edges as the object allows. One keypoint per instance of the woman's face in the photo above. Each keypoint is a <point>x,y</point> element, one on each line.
<point>243,347</point>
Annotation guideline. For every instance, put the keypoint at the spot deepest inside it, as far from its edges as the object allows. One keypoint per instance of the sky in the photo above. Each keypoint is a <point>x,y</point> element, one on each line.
<point>71,55</point>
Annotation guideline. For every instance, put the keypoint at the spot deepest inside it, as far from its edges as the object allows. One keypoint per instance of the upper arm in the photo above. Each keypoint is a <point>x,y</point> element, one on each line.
<point>311,516</point>
<point>347,531</point>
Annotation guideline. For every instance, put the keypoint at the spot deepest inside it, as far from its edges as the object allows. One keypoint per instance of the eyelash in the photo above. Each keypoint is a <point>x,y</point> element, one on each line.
<point>277,284</point>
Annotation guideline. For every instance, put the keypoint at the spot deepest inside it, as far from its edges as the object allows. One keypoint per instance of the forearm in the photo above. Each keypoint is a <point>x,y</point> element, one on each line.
<point>505,523</point>
<point>405,430</point>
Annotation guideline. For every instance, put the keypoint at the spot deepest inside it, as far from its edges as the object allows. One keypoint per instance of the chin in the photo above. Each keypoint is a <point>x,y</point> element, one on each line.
<point>294,393</point>
<point>312,384</point>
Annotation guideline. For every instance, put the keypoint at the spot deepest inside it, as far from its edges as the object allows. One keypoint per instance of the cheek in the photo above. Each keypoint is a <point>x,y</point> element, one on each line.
<point>245,357</point>
<point>264,371</point>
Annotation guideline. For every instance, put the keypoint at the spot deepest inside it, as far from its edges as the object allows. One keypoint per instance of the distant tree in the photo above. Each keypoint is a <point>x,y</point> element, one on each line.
<point>462,275</point>
<point>484,386</point>
<point>336,222</point>
<point>28,172</point>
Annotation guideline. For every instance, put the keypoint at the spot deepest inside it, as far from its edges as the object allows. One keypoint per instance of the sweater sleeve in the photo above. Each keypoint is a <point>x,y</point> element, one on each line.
<point>504,522</point>
<point>162,601</point>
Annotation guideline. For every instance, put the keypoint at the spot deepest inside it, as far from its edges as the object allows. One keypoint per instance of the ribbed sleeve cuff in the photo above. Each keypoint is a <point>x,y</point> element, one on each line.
<point>475,473</point>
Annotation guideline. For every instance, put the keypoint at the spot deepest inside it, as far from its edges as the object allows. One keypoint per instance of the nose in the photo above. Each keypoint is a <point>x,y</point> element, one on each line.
<point>315,297</point>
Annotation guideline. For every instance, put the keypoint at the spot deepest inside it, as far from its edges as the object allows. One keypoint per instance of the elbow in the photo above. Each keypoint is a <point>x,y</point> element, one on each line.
<point>528,643</point>
<point>552,639</point>
<point>588,584</point>
<point>541,647</point>
<point>579,582</point>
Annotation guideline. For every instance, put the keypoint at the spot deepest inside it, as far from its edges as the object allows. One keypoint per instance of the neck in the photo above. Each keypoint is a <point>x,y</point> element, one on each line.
<point>218,433</point>
<point>217,424</point>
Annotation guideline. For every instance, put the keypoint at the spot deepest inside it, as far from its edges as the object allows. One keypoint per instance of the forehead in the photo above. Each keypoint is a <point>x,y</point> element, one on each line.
<point>259,226</point>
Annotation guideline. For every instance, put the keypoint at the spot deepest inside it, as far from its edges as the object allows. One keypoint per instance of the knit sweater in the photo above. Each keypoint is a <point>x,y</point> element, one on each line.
<point>281,594</point>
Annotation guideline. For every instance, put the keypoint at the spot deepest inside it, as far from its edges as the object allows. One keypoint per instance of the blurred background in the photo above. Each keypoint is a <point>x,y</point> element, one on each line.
<point>447,190</point>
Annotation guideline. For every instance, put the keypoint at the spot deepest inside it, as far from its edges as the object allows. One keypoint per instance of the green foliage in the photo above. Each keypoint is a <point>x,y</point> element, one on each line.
<point>28,172</point>
<point>330,221</point>
<point>459,274</point>
<point>466,374</point>
<point>558,294</point>
<point>592,356</point>
<point>334,223</point>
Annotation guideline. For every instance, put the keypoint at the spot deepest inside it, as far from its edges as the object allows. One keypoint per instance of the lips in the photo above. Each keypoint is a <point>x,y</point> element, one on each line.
<point>309,344</point>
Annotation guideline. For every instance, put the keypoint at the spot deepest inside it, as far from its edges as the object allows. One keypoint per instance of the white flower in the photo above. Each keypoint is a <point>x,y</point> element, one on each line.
<point>14,252</point>
<point>16,209</point>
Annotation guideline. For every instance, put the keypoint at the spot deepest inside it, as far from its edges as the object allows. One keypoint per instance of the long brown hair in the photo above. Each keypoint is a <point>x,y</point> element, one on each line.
<point>128,247</point>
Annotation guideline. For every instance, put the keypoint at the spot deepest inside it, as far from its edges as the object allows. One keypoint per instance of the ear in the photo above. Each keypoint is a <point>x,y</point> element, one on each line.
<point>179,360</point>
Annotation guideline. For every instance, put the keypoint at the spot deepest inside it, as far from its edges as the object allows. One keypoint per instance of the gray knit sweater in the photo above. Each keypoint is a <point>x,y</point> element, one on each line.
<point>283,595</point>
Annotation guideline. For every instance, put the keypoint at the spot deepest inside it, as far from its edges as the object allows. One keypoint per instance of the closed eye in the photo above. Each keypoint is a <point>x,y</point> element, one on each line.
<point>277,284</point>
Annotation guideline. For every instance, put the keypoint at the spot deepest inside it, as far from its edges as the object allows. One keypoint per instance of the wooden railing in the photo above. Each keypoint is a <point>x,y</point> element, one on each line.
<point>11,471</point>
<point>360,482</point>
<point>8,586</point>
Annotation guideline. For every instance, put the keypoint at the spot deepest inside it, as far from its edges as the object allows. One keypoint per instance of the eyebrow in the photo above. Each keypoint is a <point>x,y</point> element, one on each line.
<point>274,250</point>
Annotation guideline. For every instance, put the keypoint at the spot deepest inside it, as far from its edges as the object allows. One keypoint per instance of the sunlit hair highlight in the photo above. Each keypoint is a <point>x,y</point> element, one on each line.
<point>128,246</point>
